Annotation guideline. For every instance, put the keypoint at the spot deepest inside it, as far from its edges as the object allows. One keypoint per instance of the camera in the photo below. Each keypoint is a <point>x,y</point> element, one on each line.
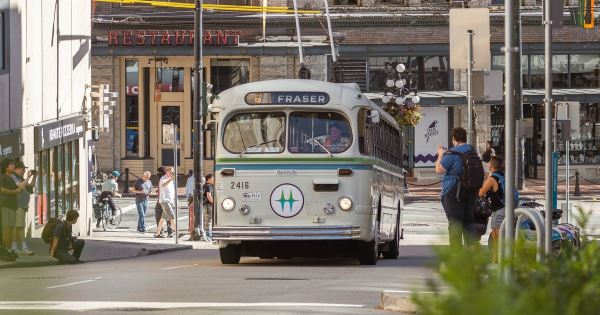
<point>33,172</point>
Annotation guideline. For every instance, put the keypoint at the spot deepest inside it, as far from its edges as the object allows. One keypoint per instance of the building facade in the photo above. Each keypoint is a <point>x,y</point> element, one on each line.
<point>147,52</point>
<point>44,93</point>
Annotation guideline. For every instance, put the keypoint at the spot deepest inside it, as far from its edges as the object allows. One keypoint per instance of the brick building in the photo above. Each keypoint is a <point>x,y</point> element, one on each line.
<point>132,53</point>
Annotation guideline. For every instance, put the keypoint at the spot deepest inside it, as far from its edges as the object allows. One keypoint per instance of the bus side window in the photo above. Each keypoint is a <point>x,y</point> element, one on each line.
<point>362,131</point>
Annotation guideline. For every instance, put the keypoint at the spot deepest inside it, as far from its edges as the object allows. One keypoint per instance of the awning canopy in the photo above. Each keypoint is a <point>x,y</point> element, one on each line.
<point>452,98</point>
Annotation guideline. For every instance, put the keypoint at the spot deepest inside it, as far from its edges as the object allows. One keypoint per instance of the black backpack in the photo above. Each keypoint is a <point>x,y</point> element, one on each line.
<point>473,174</point>
<point>48,231</point>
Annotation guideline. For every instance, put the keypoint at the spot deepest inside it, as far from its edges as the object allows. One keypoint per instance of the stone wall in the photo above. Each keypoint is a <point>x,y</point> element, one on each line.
<point>105,70</point>
<point>271,68</point>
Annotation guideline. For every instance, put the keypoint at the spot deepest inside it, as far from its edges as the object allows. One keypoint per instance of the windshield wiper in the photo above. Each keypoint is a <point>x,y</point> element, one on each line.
<point>256,145</point>
<point>318,143</point>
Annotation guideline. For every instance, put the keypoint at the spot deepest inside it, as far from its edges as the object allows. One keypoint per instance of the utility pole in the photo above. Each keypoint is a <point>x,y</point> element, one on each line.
<point>548,143</point>
<point>509,134</point>
<point>470,62</point>
<point>197,112</point>
<point>518,92</point>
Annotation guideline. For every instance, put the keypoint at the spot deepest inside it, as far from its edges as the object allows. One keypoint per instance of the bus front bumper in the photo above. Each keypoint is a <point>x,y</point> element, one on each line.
<point>285,233</point>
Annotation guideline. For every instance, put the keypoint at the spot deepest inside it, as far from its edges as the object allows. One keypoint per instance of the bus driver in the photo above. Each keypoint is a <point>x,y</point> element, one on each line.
<point>334,142</point>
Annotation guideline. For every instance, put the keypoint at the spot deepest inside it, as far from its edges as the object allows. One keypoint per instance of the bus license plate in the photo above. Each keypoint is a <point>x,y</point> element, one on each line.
<point>251,196</point>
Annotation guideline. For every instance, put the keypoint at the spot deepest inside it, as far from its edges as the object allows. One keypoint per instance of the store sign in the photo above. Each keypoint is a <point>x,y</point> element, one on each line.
<point>287,98</point>
<point>10,145</point>
<point>171,38</point>
<point>431,131</point>
<point>57,133</point>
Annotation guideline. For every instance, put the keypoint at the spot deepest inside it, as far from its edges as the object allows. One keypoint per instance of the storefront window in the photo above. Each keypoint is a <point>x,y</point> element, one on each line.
<point>429,73</point>
<point>132,122</point>
<point>226,73</point>
<point>75,174</point>
<point>498,64</point>
<point>171,79</point>
<point>68,180</point>
<point>560,72</point>
<point>378,71</point>
<point>585,71</point>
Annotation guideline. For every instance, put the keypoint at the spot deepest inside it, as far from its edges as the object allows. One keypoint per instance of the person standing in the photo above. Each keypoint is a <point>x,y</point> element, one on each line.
<point>63,240</point>
<point>142,189</point>
<point>27,185</point>
<point>10,190</point>
<point>208,203</point>
<point>189,194</point>
<point>458,202</point>
<point>167,197</point>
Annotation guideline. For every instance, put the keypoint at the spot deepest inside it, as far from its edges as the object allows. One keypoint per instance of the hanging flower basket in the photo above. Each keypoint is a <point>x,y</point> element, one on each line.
<point>406,115</point>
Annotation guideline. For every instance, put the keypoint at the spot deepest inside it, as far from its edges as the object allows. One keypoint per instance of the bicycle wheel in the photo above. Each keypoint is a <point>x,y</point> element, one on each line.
<point>112,224</point>
<point>105,217</point>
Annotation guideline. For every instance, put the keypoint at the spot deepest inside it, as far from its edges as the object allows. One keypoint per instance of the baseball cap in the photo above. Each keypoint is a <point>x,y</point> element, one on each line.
<point>19,164</point>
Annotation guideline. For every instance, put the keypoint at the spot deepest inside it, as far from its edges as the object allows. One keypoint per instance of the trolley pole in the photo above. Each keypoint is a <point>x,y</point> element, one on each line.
<point>548,146</point>
<point>509,136</point>
<point>197,111</point>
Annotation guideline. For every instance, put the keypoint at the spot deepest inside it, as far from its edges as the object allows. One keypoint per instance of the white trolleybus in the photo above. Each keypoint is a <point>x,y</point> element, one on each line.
<point>306,168</point>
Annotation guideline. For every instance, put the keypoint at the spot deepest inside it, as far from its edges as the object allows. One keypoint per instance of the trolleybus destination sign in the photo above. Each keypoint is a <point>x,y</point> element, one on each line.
<point>287,98</point>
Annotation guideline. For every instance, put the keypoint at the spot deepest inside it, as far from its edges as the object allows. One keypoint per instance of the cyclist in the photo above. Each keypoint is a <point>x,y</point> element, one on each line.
<point>109,190</point>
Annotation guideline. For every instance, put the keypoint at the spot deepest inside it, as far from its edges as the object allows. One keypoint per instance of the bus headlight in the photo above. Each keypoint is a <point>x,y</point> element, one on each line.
<point>228,204</point>
<point>244,209</point>
<point>329,208</point>
<point>345,203</point>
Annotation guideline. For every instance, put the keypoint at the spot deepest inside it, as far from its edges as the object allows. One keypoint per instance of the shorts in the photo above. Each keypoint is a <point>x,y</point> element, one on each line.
<point>497,218</point>
<point>21,218</point>
<point>168,211</point>
<point>9,217</point>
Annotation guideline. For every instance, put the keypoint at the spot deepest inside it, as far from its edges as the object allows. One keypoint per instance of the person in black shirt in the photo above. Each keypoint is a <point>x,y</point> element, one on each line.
<point>64,241</point>
<point>492,188</point>
<point>208,202</point>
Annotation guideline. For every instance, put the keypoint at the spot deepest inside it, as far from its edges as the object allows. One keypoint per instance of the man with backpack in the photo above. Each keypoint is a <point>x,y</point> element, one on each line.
<point>463,176</point>
<point>493,187</point>
<point>62,240</point>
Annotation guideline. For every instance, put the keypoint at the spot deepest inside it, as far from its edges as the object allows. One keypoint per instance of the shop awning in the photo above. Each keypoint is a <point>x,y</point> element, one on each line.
<point>452,98</point>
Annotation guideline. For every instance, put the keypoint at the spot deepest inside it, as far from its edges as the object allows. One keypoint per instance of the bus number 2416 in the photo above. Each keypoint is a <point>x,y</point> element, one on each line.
<point>240,185</point>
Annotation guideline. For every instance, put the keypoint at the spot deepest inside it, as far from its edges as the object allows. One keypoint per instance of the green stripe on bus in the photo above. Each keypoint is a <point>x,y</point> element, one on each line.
<point>321,160</point>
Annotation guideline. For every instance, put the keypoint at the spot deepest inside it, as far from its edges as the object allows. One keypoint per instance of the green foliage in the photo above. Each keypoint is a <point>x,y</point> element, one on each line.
<point>565,285</point>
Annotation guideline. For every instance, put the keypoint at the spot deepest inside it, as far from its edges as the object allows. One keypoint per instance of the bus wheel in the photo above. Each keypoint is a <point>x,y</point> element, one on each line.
<point>393,247</point>
<point>368,252</point>
<point>230,254</point>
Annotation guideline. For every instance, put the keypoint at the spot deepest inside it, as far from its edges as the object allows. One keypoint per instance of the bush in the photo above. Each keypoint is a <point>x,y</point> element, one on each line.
<point>565,285</point>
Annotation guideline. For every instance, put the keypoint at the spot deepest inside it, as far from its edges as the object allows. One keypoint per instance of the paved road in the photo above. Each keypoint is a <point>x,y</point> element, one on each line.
<point>196,281</point>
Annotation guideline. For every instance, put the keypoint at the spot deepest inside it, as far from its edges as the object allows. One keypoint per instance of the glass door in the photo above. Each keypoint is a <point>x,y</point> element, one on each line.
<point>169,113</point>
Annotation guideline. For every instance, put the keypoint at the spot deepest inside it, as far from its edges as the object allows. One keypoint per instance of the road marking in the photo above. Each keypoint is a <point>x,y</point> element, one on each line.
<point>99,305</point>
<point>74,283</point>
<point>178,267</point>
<point>128,208</point>
<point>409,292</point>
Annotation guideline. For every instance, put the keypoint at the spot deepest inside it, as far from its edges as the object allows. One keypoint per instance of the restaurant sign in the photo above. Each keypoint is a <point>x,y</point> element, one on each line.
<point>171,38</point>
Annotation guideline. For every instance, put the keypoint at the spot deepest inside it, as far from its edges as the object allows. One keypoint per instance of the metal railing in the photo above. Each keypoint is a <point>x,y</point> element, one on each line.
<point>540,228</point>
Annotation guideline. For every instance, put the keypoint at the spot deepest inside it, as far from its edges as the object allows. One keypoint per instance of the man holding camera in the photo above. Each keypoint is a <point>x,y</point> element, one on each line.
<point>27,185</point>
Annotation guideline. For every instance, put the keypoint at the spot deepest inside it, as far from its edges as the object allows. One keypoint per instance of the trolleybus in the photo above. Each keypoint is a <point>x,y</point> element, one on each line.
<point>306,168</point>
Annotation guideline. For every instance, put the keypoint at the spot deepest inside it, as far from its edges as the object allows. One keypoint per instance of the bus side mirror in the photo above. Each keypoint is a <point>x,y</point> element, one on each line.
<point>375,119</point>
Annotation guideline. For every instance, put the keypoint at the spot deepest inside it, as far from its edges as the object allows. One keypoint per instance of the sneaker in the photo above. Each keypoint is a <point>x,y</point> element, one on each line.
<point>170,235</point>
<point>98,224</point>
<point>25,251</point>
<point>159,236</point>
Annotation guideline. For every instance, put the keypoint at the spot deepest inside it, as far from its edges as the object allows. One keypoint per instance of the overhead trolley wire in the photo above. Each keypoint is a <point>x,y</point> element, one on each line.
<point>215,7</point>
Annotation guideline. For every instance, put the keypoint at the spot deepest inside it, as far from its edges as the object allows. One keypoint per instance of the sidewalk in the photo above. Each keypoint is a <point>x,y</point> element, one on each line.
<point>95,250</point>
<point>535,189</point>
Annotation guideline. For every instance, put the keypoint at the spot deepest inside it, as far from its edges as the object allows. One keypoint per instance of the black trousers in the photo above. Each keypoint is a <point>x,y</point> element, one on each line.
<point>62,252</point>
<point>460,215</point>
<point>111,202</point>
<point>158,214</point>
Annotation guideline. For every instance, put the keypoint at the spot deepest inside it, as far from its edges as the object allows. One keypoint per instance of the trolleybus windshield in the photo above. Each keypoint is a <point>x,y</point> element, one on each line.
<point>321,132</point>
<point>250,133</point>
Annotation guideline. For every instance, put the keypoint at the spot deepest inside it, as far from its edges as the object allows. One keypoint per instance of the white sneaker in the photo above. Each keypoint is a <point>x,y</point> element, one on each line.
<point>25,251</point>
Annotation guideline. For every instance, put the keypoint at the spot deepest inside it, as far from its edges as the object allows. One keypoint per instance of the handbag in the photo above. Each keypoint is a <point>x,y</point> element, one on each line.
<point>483,208</point>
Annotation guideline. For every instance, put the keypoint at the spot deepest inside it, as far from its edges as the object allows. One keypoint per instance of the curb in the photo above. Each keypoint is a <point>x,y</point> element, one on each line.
<point>143,252</point>
<point>397,301</point>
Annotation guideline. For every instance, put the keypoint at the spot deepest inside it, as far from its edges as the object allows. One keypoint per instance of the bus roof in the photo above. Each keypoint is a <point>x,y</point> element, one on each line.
<point>347,95</point>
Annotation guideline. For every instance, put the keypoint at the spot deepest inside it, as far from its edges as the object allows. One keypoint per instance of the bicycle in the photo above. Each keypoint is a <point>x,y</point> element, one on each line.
<point>106,215</point>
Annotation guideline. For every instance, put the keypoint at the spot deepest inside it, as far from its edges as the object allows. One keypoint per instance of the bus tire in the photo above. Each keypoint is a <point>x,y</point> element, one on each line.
<point>368,252</point>
<point>231,254</point>
<point>393,247</point>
